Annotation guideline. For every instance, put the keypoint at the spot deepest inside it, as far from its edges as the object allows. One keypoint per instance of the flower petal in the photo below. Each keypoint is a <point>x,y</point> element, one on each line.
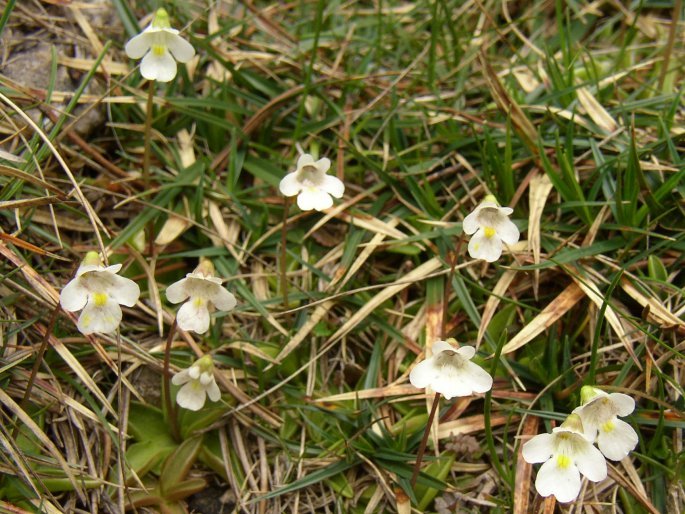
<point>304,160</point>
<point>624,404</point>
<point>308,199</point>
<point>470,223</point>
<point>618,442</point>
<point>563,483</point>
<point>323,164</point>
<point>289,185</point>
<point>507,231</point>
<point>590,462</point>
<point>139,45</point>
<point>191,396</point>
<point>124,291</point>
<point>181,377</point>
<point>423,373</point>
<point>222,299</point>
<point>177,292</point>
<point>441,346</point>
<point>467,352</point>
<point>193,315</point>
<point>213,391</point>
<point>323,201</point>
<point>333,186</point>
<point>478,379</point>
<point>179,47</point>
<point>158,67</point>
<point>539,449</point>
<point>74,296</point>
<point>486,248</point>
<point>102,319</point>
<point>451,382</point>
<point>113,269</point>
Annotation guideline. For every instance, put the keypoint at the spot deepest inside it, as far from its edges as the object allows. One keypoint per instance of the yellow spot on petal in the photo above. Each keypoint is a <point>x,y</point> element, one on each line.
<point>199,302</point>
<point>608,426</point>
<point>489,232</point>
<point>158,50</point>
<point>85,321</point>
<point>99,299</point>
<point>563,461</point>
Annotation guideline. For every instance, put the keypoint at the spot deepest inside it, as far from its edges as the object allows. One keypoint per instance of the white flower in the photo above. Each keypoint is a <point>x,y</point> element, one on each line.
<point>98,290</point>
<point>566,454</point>
<point>450,371</point>
<point>492,226</point>
<point>202,290</point>
<point>599,412</point>
<point>161,47</point>
<point>198,382</point>
<point>311,184</point>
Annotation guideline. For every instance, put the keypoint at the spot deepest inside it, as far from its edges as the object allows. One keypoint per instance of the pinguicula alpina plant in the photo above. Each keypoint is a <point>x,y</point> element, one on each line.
<point>448,372</point>
<point>197,383</point>
<point>491,225</point>
<point>160,46</point>
<point>599,412</point>
<point>312,185</point>
<point>99,291</point>
<point>566,453</point>
<point>202,292</point>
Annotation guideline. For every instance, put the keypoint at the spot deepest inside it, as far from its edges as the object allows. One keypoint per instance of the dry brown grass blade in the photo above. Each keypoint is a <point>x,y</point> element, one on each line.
<point>90,212</point>
<point>27,177</point>
<point>595,110</point>
<point>228,234</point>
<point>522,125</point>
<point>81,373</point>
<point>596,296</point>
<point>305,329</point>
<point>472,424</point>
<point>173,227</point>
<point>538,191</point>
<point>11,451</point>
<point>402,503</point>
<point>30,247</point>
<point>13,407</point>
<point>434,332</point>
<point>153,288</point>
<point>554,310</point>
<point>524,470</point>
<point>493,301</point>
<point>657,312</point>
<point>29,202</point>
<point>621,479</point>
<point>375,392</point>
<point>548,505</point>
<point>37,282</point>
<point>373,225</point>
<point>413,276</point>
<point>246,347</point>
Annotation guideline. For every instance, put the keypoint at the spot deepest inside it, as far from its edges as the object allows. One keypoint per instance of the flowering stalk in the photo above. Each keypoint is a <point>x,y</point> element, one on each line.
<point>170,407</point>
<point>449,372</point>
<point>147,141</point>
<point>424,440</point>
<point>284,262</point>
<point>486,413</point>
<point>36,364</point>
